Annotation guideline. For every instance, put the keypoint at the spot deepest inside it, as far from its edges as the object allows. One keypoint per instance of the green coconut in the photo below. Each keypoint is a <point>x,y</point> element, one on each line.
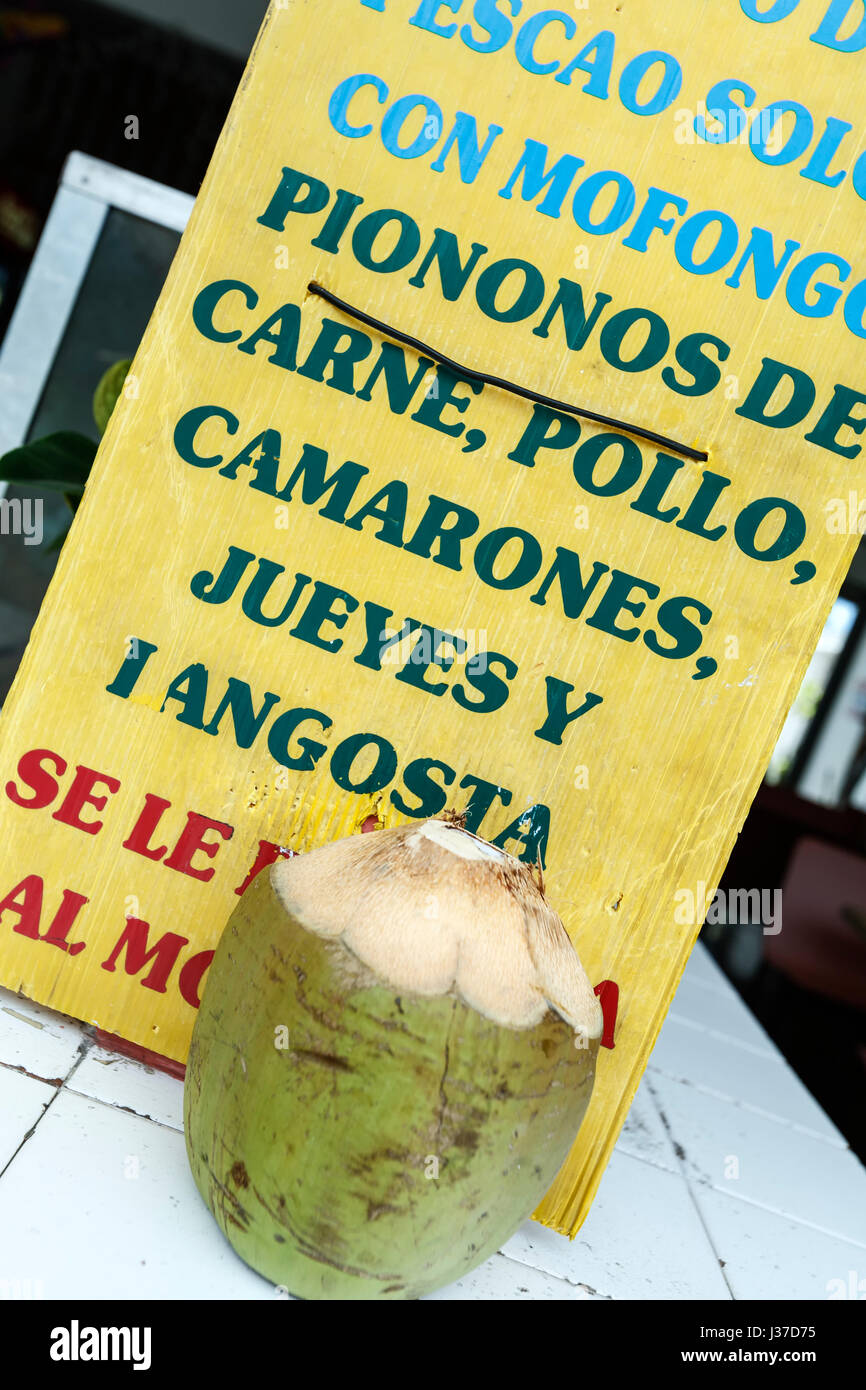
<point>394,1052</point>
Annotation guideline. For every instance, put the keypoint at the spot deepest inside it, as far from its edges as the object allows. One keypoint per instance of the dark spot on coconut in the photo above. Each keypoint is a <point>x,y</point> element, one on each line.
<point>399,1002</point>
<point>332,1024</point>
<point>377,1209</point>
<point>281,1240</point>
<point>467,1139</point>
<point>393,1288</point>
<point>325,1059</point>
<point>548,1046</point>
<point>401,1156</point>
<point>324,1242</point>
<point>277,1215</point>
<point>301,974</point>
<point>239,1174</point>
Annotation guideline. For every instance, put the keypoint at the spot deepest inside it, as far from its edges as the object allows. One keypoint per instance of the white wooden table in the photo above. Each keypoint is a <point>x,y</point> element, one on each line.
<point>728,1180</point>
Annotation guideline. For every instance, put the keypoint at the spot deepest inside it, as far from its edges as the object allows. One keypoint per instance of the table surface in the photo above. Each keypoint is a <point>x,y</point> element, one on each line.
<point>728,1180</point>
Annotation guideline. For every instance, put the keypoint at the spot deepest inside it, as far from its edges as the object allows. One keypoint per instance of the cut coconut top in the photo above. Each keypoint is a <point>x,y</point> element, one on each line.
<point>431,908</point>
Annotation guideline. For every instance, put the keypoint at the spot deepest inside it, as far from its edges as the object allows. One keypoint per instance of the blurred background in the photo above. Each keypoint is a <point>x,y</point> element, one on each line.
<point>141,88</point>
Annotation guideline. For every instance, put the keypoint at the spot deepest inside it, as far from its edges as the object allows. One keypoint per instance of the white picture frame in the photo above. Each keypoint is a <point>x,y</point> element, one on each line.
<point>89,189</point>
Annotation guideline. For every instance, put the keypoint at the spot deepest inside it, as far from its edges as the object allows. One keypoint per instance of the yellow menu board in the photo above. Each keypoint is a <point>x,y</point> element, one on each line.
<point>481,454</point>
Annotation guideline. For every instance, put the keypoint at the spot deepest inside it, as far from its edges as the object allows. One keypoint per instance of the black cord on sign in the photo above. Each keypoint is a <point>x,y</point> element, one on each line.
<point>698,454</point>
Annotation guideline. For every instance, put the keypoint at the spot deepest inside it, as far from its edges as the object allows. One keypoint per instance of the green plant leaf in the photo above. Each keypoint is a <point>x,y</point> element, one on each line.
<point>59,463</point>
<point>106,395</point>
